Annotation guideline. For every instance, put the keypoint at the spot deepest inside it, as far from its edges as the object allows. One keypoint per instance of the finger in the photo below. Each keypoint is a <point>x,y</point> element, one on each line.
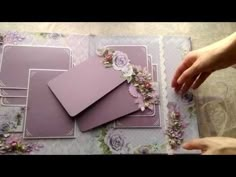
<point>195,144</point>
<point>190,72</point>
<point>187,62</point>
<point>177,88</point>
<point>200,80</point>
<point>208,153</point>
<point>188,84</point>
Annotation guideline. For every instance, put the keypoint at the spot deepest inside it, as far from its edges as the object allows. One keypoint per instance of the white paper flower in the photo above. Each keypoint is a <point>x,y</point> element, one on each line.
<point>128,70</point>
<point>120,60</point>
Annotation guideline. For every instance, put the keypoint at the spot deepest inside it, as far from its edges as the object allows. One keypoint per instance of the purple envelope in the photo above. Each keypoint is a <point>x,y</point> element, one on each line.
<point>45,117</point>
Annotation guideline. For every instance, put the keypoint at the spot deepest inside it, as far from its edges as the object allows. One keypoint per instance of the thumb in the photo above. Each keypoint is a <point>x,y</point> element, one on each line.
<point>195,144</point>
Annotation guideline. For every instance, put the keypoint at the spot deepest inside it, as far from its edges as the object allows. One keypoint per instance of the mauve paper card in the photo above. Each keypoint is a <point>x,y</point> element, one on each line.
<point>83,85</point>
<point>117,103</point>
<point>45,117</point>
<point>17,60</point>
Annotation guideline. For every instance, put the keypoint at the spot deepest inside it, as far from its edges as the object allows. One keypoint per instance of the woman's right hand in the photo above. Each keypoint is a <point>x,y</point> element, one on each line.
<point>199,64</point>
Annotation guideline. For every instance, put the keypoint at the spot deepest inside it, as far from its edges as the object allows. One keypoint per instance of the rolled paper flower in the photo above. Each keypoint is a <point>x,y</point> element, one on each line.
<point>120,60</point>
<point>108,57</point>
<point>148,85</point>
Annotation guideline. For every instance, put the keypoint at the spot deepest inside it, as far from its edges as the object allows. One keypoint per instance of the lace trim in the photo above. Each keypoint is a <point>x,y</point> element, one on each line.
<point>164,100</point>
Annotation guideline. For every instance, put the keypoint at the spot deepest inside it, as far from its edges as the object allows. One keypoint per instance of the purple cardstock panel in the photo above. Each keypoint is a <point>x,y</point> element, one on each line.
<point>17,60</point>
<point>45,117</point>
<point>84,84</point>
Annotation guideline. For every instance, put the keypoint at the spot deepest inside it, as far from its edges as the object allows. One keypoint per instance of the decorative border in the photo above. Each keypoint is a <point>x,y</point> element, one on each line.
<point>163,86</point>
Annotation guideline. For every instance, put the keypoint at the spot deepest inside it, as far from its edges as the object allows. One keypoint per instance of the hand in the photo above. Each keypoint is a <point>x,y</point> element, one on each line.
<point>199,64</point>
<point>213,145</point>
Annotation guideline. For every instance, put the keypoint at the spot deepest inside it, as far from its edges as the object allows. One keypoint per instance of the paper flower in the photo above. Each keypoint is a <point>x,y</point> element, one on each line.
<point>120,60</point>
<point>128,71</point>
<point>14,144</point>
<point>187,97</point>
<point>176,126</point>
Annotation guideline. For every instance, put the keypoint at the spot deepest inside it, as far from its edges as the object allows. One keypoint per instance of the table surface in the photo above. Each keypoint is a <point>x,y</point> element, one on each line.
<point>216,116</point>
